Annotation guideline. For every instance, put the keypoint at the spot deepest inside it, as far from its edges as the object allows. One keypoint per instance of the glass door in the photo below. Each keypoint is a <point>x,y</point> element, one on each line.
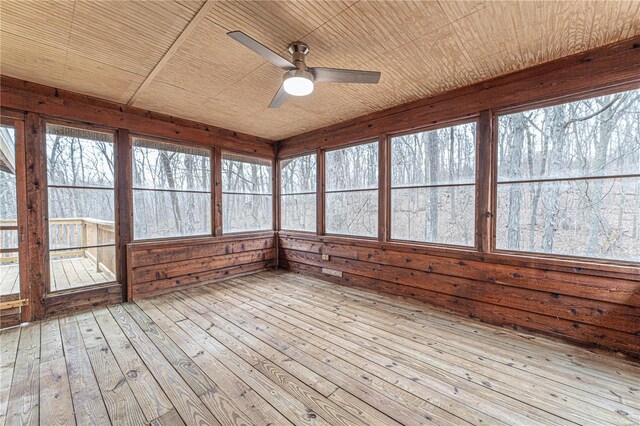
<point>10,235</point>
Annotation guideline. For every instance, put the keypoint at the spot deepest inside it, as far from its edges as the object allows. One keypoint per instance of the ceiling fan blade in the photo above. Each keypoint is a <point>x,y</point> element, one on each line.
<point>279,98</point>
<point>335,75</point>
<point>261,50</point>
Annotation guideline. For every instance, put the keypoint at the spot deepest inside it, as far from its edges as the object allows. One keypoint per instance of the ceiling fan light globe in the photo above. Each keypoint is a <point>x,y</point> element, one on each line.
<point>298,83</point>
<point>298,86</point>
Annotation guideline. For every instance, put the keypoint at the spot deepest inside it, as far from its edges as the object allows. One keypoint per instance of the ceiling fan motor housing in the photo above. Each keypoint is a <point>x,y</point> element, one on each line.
<point>299,51</point>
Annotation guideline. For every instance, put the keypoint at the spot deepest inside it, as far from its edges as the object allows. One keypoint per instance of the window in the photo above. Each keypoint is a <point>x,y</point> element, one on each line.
<point>298,193</point>
<point>569,179</point>
<point>9,257</point>
<point>433,186</point>
<point>351,195</point>
<point>171,190</point>
<point>246,194</point>
<point>80,173</point>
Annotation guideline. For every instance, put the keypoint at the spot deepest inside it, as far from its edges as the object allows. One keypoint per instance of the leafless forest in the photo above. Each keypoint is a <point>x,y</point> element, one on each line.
<point>568,183</point>
<point>246,194</point>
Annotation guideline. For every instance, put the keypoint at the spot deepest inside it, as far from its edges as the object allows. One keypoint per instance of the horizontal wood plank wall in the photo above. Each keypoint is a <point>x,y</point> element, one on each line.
<point>579,306</point>
<point>160,267</point>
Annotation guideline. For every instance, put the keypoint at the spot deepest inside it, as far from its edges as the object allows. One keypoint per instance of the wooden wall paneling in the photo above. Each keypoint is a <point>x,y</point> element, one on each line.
<point>320,192</point>
<point>163,266</point>
<point>26,96</point>
<point>485,149</point>
<point>577,76</point>
<point>37,214</point>
<point>124,202</point>
<point>217,192</point>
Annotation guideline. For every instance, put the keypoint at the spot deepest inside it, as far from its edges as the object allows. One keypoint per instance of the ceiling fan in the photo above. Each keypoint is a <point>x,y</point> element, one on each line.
<point>299,78</point>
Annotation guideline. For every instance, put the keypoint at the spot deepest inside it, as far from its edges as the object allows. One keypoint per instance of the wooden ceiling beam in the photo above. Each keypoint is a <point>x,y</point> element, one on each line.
<point>199,17</point>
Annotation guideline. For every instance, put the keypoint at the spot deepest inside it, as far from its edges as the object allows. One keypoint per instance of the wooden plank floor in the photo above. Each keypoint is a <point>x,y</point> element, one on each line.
<point>279,348</point>
<point>66,273</point>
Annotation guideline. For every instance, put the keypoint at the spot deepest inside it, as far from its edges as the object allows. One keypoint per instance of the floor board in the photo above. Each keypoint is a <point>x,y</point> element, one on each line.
<point>65,274</point>
<point>280,348</point>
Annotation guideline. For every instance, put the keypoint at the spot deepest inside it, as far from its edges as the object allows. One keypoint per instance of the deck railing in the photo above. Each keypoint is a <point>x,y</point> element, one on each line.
<point>68,238</point>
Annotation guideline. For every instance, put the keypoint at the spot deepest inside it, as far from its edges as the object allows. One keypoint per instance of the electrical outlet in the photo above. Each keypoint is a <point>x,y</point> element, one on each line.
<point>332,272</point>
<point>325,257</point>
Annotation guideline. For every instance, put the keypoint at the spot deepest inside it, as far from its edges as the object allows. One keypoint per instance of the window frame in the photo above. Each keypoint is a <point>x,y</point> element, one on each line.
<point>442,125</point>
<point>548,258</point>
<point>280,194</point>
<point>212,181</point>
<point>377,189</point>
<point>118,259</point>
<point>274,193</point>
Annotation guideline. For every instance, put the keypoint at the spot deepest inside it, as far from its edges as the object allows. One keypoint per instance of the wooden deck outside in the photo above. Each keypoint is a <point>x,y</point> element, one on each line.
<point>67,273</point>
<point>280,348</point>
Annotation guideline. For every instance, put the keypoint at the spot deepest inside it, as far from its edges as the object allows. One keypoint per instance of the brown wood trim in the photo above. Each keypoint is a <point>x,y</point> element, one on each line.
<point>73,300</point>
<point>31,97</point>
<point>188,241</point>
<point>485,149</point>
<point>217,192</point>
<point>124,201</point>
<point>320,192</point>
<point>36,215</point>
<point>10,114</point>
<point>605,69</point>
<point>275,194</point>
<point>384,183</point>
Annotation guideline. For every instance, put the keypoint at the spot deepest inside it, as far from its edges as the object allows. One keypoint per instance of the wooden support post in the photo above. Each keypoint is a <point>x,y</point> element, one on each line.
<point>124,204</point>
<point>485,181</point>
<point>217,192</point>
<point>320,192</point>
<point>276,208</point>
<point>37,214</point>
<point>383,188</point>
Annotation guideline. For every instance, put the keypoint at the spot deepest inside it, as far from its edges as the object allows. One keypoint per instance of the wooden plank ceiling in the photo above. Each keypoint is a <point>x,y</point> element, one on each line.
<point>124,51</point>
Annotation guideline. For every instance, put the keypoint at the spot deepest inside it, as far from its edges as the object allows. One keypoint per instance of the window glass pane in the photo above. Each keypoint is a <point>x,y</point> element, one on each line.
<point>9,269</point>
<point>161,165</point>
<point>592,137</point>
<point>78,157</point>
<point>444,215</point>
<point>597,218</point>
<point>437,157</point>
<point>80,217</point>
<point>299,174</point>
<point>81,267</point>
<point>164,214</point>
<point>355,167</point>
<point>81,201</point>
<point>246,175</point>
<point>352,213</point>
<point>246,212</point>
<point>298,212</point>
<point>9,273</point>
